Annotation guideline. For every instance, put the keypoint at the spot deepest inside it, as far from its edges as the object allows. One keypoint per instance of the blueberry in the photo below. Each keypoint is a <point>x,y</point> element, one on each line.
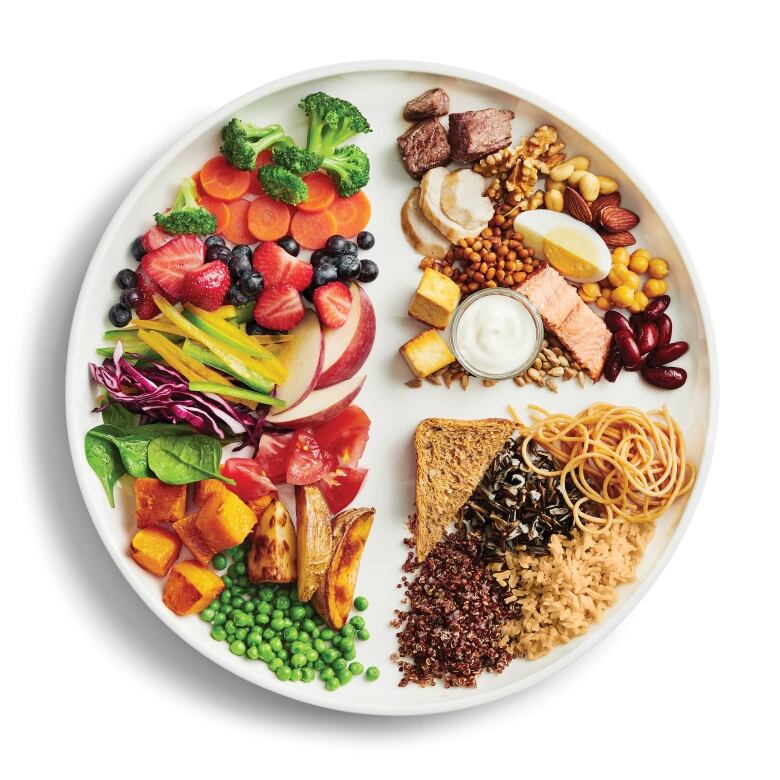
<point>365,240</point>
<point>335,244</point>
<point>217,252</point>
<point>369,270</point>
<point>253,329</point>
<point>308,293</point>
<point>238,265</point>
<point>251,284</point>
<point>350,248</point>
<point>241,250</point>
<point>119,315</point>
<point>324,273</point>
<point>218,241</point>
<point>289,244</point>
<point>235,297</point>
<point>130,298</point>
<point>137,248</point>
<point>126,279</point>
<point>320,256</point>
<point>348,267</point>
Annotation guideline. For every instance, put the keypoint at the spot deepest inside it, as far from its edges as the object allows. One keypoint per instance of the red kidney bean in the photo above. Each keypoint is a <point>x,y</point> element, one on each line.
<point>613,365</point>
<point>640,365</point>
<point>656,307</point>
<point>646,337</point>
<point>627,346</point>
<point>615,321</point>
<point>664,327</point>
<point>665,377</point>
<point>635,320</point>
<point>668,353</point>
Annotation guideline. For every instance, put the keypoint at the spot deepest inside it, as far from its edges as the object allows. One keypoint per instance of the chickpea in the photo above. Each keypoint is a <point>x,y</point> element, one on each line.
<point>640,301</point>
<point>655,287</point>
<point>604,304</point>
<point>622,296</point>
<point>638,263</point>
<point>591,290</point>
<point>632,280</point>
<point>606,292</point>
<point>620,256</point>
<point>615,277</point>
<point>641,253</point>
<point>658,268</point>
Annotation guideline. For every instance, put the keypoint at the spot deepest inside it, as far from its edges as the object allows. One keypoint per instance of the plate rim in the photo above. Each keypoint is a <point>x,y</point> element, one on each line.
<point>82,309</point>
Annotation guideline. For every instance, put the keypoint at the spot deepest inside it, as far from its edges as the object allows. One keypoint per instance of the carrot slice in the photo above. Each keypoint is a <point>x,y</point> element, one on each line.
<point>222,181</point>
<point>322,192</point>
<point>352,214</point>
<point>311,231</point>
<point>218,208</point>
<point>198,185</point>
<point>268,219</point>
<point>264,158</point>
<point>236,229</point>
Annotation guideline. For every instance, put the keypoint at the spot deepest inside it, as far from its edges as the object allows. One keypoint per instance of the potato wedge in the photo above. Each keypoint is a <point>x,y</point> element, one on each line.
<point>273,555</point>
<point>333,599</point>
<point>462,199</point>
<point>419,232</point>
<point>314,538</point>
<point>430,203</point>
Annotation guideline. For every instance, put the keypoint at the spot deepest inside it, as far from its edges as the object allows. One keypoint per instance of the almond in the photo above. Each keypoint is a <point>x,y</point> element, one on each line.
<point>576,206</point>
<point>603,202</point>
<point>617,219</point>
<point>613,240</point>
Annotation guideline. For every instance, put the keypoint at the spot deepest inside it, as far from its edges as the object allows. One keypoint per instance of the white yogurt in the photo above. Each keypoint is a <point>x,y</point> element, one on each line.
<point>496,334</point>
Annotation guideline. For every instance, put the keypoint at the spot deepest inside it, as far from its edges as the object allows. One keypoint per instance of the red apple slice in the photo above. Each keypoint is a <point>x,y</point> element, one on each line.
<point>319,406</point>
<point>347,347</point>
<point>303,357</point>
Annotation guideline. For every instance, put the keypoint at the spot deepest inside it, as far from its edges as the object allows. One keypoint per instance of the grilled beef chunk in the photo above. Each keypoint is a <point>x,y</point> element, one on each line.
<point>423,147</point>
<point>434,102</point>
<point>473,134</point>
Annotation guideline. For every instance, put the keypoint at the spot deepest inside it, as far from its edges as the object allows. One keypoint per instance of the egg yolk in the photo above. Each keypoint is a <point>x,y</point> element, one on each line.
<point>571,253</point>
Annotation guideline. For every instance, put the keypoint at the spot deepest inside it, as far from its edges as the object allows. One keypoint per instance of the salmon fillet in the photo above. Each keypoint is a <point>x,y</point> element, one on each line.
<point>566,315</point>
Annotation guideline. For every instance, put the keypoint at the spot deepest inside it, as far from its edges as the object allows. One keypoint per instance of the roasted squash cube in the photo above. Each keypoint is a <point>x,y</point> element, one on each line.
<point>191,587</point>
<point>155,549</point>
<point>225,521</point>
<point>207,488</point>
<point>435,300</point>
<point>426,353</point>
<point>156,502</point>
<point>191,535</point>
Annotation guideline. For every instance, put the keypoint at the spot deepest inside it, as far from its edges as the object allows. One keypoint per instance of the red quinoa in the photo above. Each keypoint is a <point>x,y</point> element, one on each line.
<point>452,628</point>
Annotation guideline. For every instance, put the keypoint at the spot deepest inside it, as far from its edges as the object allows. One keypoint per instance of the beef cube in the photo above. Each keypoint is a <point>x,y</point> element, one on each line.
<point>434,102</point>
<point>474,134</point>
<point>423,147</point>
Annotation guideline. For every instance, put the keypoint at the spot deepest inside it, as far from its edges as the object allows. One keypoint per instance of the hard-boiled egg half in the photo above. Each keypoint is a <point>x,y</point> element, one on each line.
<point>571,247</point>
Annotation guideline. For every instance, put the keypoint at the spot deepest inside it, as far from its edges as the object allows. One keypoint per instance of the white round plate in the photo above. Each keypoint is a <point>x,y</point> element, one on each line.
<point>380,90</point>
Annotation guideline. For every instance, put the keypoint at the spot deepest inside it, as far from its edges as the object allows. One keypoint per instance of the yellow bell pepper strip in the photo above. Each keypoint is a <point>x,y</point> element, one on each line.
<point>226,312</point>
<point>208,358</point>
<point>249,395</point>
<point>159,325</point>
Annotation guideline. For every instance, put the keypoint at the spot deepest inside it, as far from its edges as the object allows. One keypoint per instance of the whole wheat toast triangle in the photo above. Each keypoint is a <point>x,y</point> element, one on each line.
<point>452,457</point>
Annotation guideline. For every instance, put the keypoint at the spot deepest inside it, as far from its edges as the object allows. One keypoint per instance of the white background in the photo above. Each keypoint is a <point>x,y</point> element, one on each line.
<point>94,684</point>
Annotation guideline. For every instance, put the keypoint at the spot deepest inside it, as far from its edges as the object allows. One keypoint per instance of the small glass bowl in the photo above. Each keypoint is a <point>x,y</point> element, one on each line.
<point>521,299</point>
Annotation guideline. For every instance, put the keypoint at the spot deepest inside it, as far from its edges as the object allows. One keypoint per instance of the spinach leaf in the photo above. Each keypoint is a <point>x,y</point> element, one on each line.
<point>179,460</point>
<point>119,417</point>
<point>103,457</point>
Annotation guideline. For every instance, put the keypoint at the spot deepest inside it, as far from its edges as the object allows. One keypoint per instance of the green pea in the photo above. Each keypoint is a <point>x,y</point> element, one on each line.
<point>277,624</point>
<point>344,676</point>
<point>275,663</point>
<point>363,634</point>
<point>241,572</point>
<point>283,672</point>
<point>268,633</point>
<point>237,602</point>
<point>327,633</point>
<point>329,655</point>
<point>358,622</point>
<point>296,675</point>
<point>304,636</point>
<point>361,603</point>
<point>346,645</point>
<point>356,668</point>
<point>287,622</point>
<point>219,561</point>
<point>252,652</point>
<point>277,614</point>
<point>282,602</point>
<point>307,675</point>
<point>298,659</point>
<point>332,684</point>
<point>266,653</point>
<point>242,633</point>
<point>276,644</point>
<point>250,607</point>
<point>308,610</point>
<point>237,647</point>
<point>326,673</point>
<point>230,550</point>
<point>220,619</point>
<point>372,673</point>
<point>315,633</point>
<point>263,607</point>
<point>240,618</point>
<point>239,555</point>
<point>225,596</point>
<point>232,570</point>
<point>319,645</point>
<point>319,664</point>
<point>215,604</point>
<point>336,640</point>
<point>298,612</point>
<point>283,654</point>
<point>218,633</point>
<point>308,625</point>
<point>350,655</point>
<point>290,633</point>
<point>255,638</point>
<point>339,665</point>
<point>311,655</point>
<point>266,593</point>
<point>348,630</point>
<point>207,615</point>
<point>262,620</point>
<point>230,626</point>
<point>229,582</point>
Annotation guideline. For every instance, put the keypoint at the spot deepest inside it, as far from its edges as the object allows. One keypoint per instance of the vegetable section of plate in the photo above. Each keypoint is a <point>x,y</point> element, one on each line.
<point>516,409</point>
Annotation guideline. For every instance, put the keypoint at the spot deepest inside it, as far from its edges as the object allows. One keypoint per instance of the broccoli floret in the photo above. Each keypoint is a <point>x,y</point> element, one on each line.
<point>243,141</point>
<point>282,184</point>
<point>348,166</point>
<point>332,122</point>
<point>295,159</point>
<point>186,216</point>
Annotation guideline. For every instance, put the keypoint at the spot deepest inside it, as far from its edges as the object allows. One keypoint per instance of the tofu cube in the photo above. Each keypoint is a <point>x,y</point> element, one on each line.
<point>225,521</point>
<point>206,488</point>
<point>155,549</point>
<point>190,534</point>
<point>190,588</point>
<point>426,353</point>
<point>435,300</point>
<point>156,502</point>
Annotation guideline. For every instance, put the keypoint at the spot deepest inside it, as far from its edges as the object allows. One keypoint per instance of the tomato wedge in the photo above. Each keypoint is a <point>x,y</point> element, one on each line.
<point>307,461</point>
<point>250,478</point>
<point>272,455</point>
<point>345,435</point>
<point>341,486</point>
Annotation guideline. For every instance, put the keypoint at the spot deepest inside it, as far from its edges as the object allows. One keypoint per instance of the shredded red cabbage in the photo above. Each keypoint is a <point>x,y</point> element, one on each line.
<point>160,393</point>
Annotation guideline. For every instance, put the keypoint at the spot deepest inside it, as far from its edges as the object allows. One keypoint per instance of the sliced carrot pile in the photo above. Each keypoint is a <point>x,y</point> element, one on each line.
<point>268,219</point>
<point>218,208</point>
<point>322,192</point>
<point>264,158</point>
<point>351,214</point>
<point>222,181</point>
<point>311,231</point>
<point>236,229</point>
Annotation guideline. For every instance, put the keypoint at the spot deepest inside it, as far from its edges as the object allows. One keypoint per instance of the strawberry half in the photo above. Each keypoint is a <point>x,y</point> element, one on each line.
<point>206,286</point>
<point>333,302</point>
<point>280,267</point>
<point>168,265</point>
<point>154,238</point>
<point>280,307</point>
<point>147,289</point>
